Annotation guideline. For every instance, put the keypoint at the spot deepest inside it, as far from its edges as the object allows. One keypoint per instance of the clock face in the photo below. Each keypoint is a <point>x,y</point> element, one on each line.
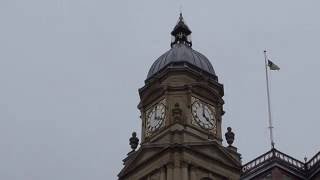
<point>203,114</point>
<point>155,117</point>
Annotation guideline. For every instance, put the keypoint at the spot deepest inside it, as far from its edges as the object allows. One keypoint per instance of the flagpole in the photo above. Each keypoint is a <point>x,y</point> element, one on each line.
<point>269,103</point>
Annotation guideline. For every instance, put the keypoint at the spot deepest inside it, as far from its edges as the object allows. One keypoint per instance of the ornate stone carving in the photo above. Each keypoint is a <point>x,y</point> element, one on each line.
<point>134,141</point>
<point>177,113</point>
<point>229,136</point>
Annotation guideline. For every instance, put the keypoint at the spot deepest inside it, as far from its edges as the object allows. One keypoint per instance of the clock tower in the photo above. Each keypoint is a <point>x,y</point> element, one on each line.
<point>181,109</point>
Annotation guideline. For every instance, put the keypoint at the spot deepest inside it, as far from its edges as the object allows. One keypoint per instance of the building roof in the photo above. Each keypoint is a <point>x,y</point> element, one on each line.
<point>274,157</point>
<point>181,53</point>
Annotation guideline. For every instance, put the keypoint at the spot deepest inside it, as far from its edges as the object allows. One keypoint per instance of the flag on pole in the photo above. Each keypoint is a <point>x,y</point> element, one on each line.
<point>272,65</point>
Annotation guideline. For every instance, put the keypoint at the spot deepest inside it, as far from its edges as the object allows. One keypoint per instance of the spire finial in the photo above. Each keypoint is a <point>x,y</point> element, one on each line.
<point>180,17</point>
<point>181,33</point>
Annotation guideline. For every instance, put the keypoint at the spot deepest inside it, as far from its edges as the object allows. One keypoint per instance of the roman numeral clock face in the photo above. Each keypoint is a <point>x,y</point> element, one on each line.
<point>155,117</point>
<point>203,114</point>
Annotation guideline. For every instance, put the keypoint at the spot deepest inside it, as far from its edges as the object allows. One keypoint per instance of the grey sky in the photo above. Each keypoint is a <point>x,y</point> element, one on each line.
<point>70,72</point>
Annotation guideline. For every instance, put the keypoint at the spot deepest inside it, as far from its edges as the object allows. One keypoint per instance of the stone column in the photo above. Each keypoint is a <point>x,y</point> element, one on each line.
<point>176,170</point>
<point>176,173</point>
<point>169,172</point>
<point>184,171</point>
<point>193,173</point>
<point>163,173</point>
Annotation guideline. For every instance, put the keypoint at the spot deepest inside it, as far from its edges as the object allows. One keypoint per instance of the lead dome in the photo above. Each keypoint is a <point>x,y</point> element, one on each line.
<point>181,54</point>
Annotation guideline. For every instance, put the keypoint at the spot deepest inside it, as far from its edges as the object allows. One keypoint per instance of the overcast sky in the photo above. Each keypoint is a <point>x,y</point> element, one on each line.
<point>70,72</point>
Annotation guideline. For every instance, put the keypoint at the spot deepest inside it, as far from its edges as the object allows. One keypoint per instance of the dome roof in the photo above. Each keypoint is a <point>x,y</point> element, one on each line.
<point>181,53</point>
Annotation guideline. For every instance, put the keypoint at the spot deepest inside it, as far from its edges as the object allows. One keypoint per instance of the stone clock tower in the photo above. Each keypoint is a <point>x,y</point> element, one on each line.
<point>181,111</point>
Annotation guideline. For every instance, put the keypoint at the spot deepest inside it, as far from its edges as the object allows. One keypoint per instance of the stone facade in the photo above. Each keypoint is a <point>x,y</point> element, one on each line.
<point>181,149</point>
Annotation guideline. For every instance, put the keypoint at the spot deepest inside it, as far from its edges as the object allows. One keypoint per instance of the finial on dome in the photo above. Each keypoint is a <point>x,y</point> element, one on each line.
<point>181,33</point>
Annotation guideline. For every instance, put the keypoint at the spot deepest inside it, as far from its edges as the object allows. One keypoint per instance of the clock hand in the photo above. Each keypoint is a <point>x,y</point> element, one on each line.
<point>156,111</point>
<point>203,111</point>
<point>208,120</point>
